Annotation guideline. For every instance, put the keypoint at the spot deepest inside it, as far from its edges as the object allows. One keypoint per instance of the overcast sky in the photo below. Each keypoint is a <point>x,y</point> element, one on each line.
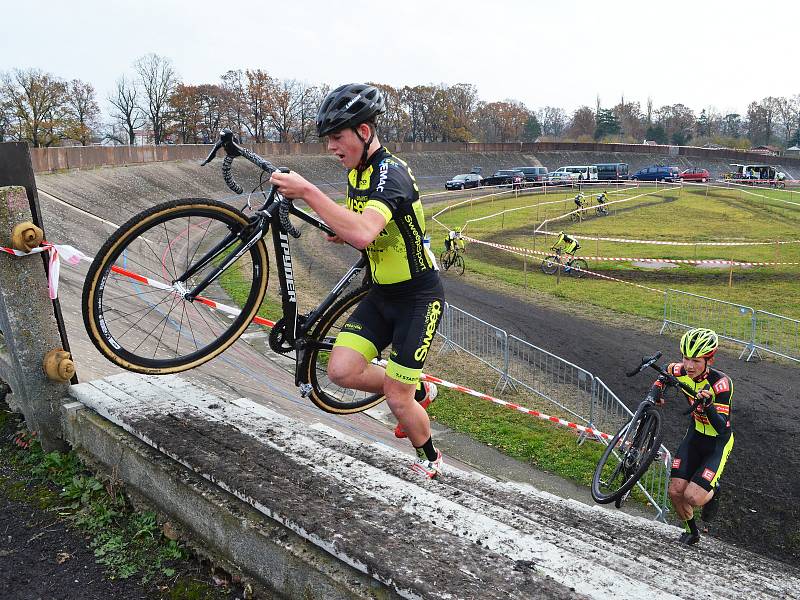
<point>561,53</point>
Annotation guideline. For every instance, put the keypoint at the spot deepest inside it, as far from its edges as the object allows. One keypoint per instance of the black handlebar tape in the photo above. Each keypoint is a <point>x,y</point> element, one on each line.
<point>228,176</point>
<point>283,214</point>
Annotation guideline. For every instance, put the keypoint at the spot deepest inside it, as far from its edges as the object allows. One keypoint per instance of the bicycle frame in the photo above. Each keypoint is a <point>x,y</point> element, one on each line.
<point>267,217</point>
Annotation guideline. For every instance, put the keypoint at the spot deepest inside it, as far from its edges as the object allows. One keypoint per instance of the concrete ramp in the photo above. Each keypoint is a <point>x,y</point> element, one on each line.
<point>462,536</point>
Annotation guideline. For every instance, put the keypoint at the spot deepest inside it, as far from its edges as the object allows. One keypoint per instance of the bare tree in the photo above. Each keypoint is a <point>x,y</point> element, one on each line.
<point>308,102</point>
<point>6,119</point>
<point>285,98</point>
<point>553,120</point>
<point>257,96</point>
<point>158,81</point>
<point>582,124</point>
<point>36,99</point>
<point>82,111</point>
<point>234,83</point>
<point>126,113</point>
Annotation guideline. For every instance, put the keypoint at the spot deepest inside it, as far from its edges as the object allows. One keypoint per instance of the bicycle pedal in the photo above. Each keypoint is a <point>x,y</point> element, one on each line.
<point>305,390</point>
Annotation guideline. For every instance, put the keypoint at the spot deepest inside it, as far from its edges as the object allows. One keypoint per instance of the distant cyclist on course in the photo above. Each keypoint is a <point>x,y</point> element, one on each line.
<point>701,456</point>
<point>569,244</point>
<point>383,215</point>
<point>453,239</point>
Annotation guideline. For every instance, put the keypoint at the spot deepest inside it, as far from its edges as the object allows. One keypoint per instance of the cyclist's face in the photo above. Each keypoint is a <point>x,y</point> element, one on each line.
<point>694,366</point>
<point>347,147</point>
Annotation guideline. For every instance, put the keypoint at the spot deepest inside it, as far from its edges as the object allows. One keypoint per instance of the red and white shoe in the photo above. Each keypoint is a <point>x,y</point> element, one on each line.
<point>431,391</point>
<point>428,468</point>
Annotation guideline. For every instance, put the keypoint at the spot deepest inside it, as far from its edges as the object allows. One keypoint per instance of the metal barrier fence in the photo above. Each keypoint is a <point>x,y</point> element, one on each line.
<point>756,329</point>
<point>575,391</point>
<point>776,334</point>
<point>474,336</point>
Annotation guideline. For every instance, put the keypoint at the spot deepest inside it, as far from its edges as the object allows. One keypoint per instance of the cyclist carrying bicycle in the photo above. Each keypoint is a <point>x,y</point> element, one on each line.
<point>383,216</point>
<point>703,452</point>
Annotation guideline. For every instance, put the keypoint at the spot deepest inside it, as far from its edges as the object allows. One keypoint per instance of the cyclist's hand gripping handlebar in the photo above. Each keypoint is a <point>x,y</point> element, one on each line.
<point>650,361</point>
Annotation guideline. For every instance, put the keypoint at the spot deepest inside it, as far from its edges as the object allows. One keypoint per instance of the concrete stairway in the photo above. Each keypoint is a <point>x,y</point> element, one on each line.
<point>337,518</point>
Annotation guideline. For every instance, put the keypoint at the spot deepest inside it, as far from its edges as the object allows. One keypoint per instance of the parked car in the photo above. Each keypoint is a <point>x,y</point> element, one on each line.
<point>695,174</point>
<point>657,173</point>
<point>612,171</point>
<point>574,173</point>
<point>512,177</point>
<point>533,174</point>
<point>463,181</point>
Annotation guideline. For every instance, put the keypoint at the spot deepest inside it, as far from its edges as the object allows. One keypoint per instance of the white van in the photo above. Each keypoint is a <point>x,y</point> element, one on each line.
<point>575,173</point>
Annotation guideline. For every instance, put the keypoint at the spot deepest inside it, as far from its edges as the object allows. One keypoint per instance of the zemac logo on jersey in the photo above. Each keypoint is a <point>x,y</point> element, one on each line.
<point>383,173</point>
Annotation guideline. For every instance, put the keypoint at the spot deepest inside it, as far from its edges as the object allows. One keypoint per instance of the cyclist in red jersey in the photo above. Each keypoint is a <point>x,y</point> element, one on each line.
<point>703,452</point>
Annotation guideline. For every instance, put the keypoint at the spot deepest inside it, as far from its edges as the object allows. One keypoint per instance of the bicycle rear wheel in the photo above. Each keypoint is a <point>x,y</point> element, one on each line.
<point>133,308</point>
<point>458,264</point>
<point>579,267</point>
<point>550,265</point>
<point>619,469</point>
<point>327,395</point>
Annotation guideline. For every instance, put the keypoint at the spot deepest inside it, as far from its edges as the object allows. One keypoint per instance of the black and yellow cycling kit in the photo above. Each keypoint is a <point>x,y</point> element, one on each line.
<point>704,450</point>
<point>570,244</point>
<point>388,186</point>
<point>406,300</point>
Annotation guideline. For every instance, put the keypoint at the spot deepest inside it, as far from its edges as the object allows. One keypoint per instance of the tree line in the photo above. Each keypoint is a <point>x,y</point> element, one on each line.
<point>151,104</point>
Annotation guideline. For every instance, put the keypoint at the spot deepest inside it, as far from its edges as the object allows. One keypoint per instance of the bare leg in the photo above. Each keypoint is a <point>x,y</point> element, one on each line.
<point>407,411</point>
<point>683,509</point>
<point>348,368</point>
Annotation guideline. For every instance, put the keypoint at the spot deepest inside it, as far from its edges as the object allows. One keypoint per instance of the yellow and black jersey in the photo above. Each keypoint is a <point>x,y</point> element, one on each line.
<point>398,254</point>
<point>715,419</point>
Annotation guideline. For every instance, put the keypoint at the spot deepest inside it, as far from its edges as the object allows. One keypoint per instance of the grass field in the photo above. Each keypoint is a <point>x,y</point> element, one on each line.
<point>693,215</point>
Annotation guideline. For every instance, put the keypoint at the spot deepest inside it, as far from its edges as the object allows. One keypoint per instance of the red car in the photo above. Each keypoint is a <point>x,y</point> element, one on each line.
<point>695,174</point>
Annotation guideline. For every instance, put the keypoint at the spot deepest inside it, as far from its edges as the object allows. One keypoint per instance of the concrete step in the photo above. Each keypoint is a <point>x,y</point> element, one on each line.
<point>464,535</point>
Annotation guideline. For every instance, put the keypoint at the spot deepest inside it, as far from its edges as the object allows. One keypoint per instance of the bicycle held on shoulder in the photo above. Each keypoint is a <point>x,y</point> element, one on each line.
<point>454,257</point>
<point>637,443</point>
<point>574,266</point>
<point>154,297</point>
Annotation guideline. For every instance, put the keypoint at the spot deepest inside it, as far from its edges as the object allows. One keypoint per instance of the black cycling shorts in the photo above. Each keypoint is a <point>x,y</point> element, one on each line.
<point>701,458</point>
<point>407,321</point>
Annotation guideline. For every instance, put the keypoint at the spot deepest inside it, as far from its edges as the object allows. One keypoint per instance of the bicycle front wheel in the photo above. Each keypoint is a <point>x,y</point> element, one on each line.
<point>133,306</point>
<point>458,264</point>
<point>579,267</point>
<point>550,265</point>
<point>619,469</point>
<point>327,395</point>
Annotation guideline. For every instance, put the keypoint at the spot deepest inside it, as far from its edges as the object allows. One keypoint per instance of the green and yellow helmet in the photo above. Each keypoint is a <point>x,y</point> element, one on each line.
<point>699,343</point>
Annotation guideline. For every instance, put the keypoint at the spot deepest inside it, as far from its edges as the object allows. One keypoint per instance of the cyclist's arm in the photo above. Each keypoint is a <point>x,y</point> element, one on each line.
<point>356,229</point>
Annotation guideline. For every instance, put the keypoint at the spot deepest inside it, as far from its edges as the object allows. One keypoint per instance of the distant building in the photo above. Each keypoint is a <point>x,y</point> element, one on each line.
<point>793,151</point>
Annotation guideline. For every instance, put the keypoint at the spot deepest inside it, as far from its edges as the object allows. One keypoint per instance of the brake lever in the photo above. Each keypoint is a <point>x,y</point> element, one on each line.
<point>213,154</point>
<point>646,362</point>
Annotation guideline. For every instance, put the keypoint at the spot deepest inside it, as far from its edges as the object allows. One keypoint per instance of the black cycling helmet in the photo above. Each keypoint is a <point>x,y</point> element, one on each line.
<point>348,106</point>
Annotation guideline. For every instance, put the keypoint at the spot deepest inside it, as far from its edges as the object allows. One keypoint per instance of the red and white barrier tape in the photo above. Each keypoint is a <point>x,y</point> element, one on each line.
<point>74,256</point>
<point>57,251</point>
<point>671,243</point>
<point>735,263</point>
<point>516,407</point>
